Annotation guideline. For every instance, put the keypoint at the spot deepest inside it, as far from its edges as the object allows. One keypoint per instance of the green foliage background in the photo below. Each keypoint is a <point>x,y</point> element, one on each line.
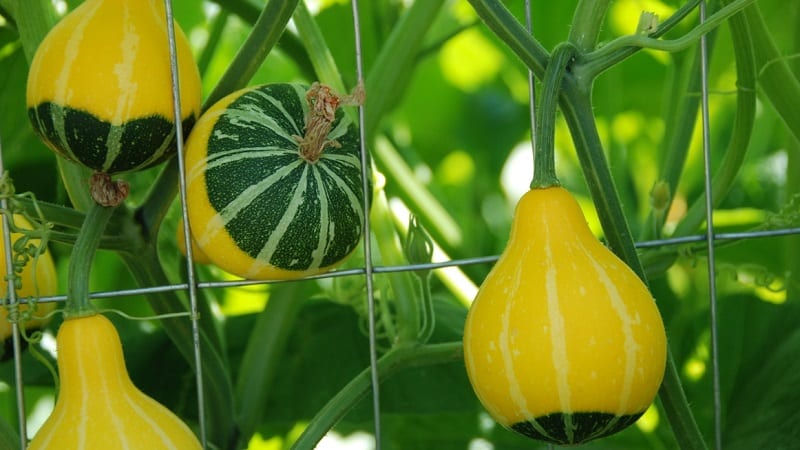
<point>452,144</point>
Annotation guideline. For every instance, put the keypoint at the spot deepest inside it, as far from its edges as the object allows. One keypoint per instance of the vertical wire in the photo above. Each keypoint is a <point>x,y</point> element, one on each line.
<point>16,344</point>
<point>712,288</point>
<point>365,185</point>
<point>192,285</point>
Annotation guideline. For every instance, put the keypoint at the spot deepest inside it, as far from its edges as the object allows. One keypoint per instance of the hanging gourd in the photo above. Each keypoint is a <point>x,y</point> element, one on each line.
<point>37,278</point>
<point>99,87</point>
<point>274,185</point>
<point>563,342</point>
<point>98,407</point>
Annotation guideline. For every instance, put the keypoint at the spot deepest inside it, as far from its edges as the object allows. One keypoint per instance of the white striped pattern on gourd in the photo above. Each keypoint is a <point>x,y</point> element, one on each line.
<point>257,208</point>
<point>563,342</point>
<point>99,88</point>
<point>98,407</point>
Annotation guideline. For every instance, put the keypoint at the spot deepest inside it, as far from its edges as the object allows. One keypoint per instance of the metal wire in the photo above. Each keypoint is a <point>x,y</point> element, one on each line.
<point>192,287</point>
<point>366,175</point>
<point>712,284</point>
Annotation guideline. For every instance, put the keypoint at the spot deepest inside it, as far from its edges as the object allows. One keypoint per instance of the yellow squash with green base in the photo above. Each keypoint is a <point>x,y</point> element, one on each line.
<point>563,342</point>
<point>100,88</point>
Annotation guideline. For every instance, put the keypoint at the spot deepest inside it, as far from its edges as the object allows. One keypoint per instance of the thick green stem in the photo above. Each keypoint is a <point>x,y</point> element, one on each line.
<point>390,363</point>
<point>544,160</point>
<point>393,67</point>
<point>587,21</point>
<point>80,263</point>
<point>260,361</point>
<point>264,35</point>
<point>676,407</point>
<point>500,20</point>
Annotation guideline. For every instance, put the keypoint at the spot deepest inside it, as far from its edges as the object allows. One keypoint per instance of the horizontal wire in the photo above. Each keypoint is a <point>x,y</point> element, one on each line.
<point>728,236</point>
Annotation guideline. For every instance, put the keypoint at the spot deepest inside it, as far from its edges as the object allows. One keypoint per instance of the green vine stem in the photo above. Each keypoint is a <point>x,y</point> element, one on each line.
<point>390,363</point>
<point>586,23</point>
<point>264,35</point>
<point>544,166</point>
<point>775,78</point>
<point>80,263</point>
<point>669,45</point>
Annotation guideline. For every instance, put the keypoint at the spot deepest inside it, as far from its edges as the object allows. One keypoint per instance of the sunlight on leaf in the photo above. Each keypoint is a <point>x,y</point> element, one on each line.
<point>457,168</point>
<point>625,14</point>
<point>244,300</point>
<point>649,421</point>
<point>469,60</point>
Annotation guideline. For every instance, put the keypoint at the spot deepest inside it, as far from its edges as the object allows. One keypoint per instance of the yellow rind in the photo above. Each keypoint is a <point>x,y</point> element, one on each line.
<point>111,59</point>
<point>561,324</point>
<point>98,407</point>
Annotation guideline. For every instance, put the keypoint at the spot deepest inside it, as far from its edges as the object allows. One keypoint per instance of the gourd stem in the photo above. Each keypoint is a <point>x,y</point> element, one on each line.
<point>80,263</point>
<point>544,162</point>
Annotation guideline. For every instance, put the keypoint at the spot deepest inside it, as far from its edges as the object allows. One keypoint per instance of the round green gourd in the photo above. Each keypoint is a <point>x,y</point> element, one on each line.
<point>272,191</point>
<point>563,342</point>
<point>99,89</point>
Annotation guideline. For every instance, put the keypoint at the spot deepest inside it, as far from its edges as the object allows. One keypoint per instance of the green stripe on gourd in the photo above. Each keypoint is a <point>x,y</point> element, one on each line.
<point>99,90</point>
<point>259,208</point>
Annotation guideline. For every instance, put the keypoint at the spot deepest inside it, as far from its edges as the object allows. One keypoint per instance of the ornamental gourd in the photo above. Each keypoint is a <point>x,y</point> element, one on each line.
<point>99,88</point>
<point>37,279</point>
<point>563,342</point>
<point>98,407</point>
<point>274,186</point>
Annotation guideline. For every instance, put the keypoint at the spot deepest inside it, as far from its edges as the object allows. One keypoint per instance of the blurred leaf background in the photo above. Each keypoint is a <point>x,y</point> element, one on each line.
<point>459,124</point>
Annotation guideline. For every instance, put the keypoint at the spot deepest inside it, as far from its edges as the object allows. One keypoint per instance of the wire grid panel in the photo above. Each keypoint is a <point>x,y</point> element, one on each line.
<point>710,238</point>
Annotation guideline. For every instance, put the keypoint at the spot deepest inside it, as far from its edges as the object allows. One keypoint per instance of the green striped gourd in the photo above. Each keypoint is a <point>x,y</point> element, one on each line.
<point>98,407</point>
<point>274,182</point>
<point>99,88</point>
<point>563,342</point>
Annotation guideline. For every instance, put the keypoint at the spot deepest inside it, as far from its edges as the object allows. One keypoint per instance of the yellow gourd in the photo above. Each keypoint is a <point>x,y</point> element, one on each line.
<point>563,342</point>
<point>99,88</point>
<point>38,282</point>
<point>98,407</point>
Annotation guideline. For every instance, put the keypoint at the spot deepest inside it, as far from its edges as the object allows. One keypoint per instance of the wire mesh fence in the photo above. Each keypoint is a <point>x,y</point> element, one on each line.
<point>711,239</point>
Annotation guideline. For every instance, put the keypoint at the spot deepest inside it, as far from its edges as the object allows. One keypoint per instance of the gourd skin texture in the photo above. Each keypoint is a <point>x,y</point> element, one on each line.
<point>98,407</point>
<point>44,283</point>
<point>99,88</point>
<point>563,342</point>
<point>257,208</point>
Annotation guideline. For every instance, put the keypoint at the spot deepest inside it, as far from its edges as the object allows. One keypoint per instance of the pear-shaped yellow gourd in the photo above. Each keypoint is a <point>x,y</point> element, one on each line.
<point>563,342</point>
<point>98,407</point>
<point>100,88</point>
<point>37,279</point>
